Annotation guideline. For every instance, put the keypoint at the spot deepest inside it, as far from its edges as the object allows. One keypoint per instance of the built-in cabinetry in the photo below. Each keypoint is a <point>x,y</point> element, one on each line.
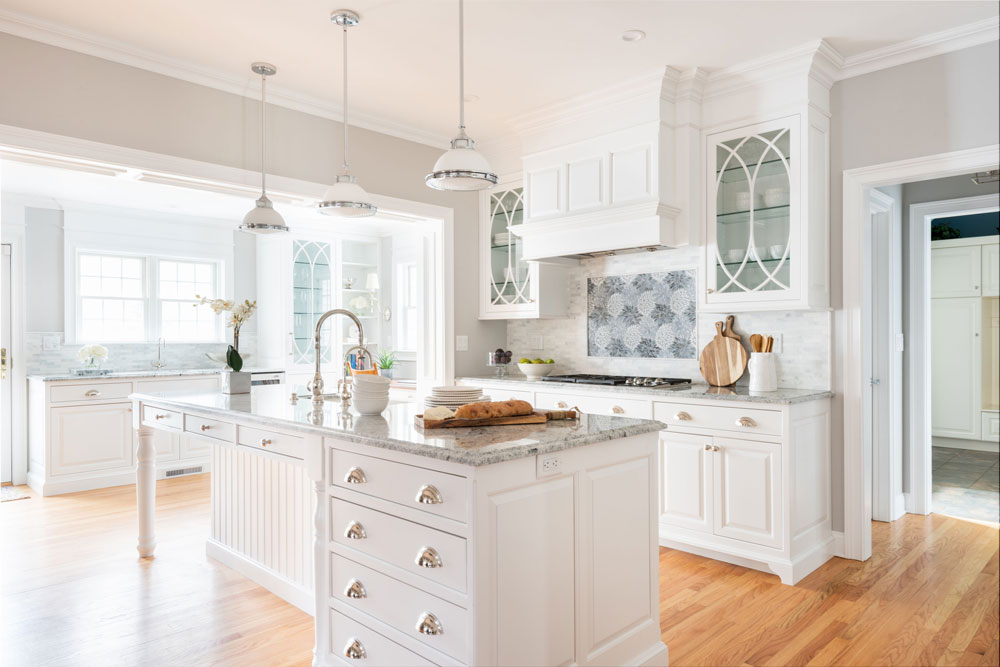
<point>743,482</point>
<point>80,433</point>
<point>512,287</point>
<point>964,338</point>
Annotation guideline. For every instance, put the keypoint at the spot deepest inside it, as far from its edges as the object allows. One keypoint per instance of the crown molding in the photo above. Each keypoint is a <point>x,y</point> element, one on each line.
<point>919,48</point>
<point>56,35</point>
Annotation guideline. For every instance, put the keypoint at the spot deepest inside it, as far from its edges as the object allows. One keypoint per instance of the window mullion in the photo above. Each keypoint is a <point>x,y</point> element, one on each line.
<point>153,323</point>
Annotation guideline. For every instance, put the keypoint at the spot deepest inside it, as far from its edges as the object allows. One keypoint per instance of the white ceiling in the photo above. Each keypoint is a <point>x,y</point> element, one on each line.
<point>520,55</point>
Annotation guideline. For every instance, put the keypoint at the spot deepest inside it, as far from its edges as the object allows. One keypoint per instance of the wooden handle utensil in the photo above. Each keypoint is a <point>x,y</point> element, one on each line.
<point>757,343</point>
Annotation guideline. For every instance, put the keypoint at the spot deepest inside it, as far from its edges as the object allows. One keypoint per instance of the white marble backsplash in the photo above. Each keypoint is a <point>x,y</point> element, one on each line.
<point>126,356</point>
<point>804,360</point>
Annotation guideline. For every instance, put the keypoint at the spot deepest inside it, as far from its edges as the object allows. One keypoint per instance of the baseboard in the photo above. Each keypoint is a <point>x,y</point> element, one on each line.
<point>837,544</point>
<point>259,574</point>
<point>60,484</point>
<point>962,443</point>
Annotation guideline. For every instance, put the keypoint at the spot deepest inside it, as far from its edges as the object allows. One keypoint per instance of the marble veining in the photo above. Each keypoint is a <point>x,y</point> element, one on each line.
<point>166,372</point>
<point>739,393</point>
<point>395,430</point>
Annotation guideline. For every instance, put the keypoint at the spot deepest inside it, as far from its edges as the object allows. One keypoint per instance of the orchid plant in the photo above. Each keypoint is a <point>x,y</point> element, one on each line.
<point>238,313</point>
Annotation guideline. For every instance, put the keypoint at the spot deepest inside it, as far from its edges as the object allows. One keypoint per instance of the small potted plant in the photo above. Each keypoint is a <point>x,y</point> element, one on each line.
<point>386,360</point>
<point>234,380</point>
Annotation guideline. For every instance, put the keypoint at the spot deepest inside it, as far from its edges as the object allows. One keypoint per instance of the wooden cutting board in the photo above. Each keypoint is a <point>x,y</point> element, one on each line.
<point>723,361</point>
<point>537,417</point>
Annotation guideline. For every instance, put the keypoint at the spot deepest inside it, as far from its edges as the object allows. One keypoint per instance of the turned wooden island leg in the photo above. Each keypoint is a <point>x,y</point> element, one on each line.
<point>145,491</point>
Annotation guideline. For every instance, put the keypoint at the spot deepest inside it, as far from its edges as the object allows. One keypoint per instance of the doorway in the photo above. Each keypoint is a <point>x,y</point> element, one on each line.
<point>6,383</point>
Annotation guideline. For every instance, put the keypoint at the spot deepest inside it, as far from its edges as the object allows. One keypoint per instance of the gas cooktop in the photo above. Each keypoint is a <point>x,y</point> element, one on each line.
<point>619,380</point>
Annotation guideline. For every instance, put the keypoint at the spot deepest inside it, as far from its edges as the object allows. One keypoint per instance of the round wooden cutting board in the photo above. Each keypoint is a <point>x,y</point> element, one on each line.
<point>724,360</point>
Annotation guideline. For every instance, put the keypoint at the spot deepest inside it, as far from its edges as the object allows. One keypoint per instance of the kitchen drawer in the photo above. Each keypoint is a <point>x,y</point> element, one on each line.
<point>197,384</point>
<point>401,483</point>
<point>210,428</point>
<point>400,605</point>
<point>289,445</point>
<point>400,542</point>
<point>370,647</point>
<point>597,405</point>
<point>991,426</point>
<point>89,392</point>
<point>718,418</point>
<point>163,418</point>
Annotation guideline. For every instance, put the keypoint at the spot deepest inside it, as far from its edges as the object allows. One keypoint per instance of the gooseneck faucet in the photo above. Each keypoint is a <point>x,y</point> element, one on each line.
<point>316,386</point>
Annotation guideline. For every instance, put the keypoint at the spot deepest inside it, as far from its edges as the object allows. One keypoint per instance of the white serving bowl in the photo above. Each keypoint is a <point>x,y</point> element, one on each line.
<point>777,251</point>
<point>534,371</point>
<point>371,381</point>
<point>376,392</point>
<point>734,255</point>
<point>370,406</point>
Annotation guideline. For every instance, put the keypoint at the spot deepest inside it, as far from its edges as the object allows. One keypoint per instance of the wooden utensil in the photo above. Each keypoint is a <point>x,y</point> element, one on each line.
<point>770,344</point>
<point>757,343</point>
<point>730,329</point>
<point>723,361</point>
<point>534,418</point>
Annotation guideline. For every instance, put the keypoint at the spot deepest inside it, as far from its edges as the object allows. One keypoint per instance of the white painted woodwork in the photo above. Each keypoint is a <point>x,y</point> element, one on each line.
<point>718,418</point>
<point>378,651</point>
<point>747,490</point>
<point>622,407</point>
<point>687,478</point>
<point>630,174</point>
<point>545,186</point>
<point>956,351</point>
<point>145,491</point>
<point>991,353</point>
<point>292,446</point>
<point>101,437</point>
<point>162,417</point>
<point>991,269</point>
<point>585,180</point>
<point>991,426</point>
<point>956,271</point>
<point>92,393</point>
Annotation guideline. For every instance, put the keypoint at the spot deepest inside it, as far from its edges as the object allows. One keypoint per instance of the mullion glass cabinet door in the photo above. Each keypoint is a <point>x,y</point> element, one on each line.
<point>510,275</point>
<point>312,295</point>
<point>753,186</point>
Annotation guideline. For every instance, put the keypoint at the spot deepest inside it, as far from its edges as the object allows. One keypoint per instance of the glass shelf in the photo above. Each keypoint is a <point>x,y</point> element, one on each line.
<point>761,214</point>
<point>753,262</point>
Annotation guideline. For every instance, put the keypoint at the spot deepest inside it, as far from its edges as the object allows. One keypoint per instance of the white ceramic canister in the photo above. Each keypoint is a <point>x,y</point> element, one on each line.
<point>763,372</point>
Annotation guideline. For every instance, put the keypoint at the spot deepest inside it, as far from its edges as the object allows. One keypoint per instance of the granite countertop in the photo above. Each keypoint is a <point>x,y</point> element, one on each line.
<point>152,372</point>
<point>395,429</point>
<point>699,391</point>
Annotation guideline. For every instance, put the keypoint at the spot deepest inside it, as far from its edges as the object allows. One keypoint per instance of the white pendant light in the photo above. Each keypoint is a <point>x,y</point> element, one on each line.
<point>345,198</point>
<point>262,218</point>
<point>462,167</point>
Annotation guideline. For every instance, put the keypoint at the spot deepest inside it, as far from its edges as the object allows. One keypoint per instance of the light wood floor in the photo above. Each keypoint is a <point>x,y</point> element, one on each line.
<point>74,593</point>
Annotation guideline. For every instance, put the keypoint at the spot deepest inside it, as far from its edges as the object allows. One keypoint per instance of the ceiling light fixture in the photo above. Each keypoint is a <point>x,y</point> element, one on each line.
<point>262,218</point>
<point>462,167</point>
<point>984,177</point>
<point>633,35</point>
<point>345,198</point>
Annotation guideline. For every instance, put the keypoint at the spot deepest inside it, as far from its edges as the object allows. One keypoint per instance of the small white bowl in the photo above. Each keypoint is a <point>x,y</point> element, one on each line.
<point>370,406</point>
<point>535,371</point>
<point>372,380</point>
<point>734,255</point>
<point>776,251</point>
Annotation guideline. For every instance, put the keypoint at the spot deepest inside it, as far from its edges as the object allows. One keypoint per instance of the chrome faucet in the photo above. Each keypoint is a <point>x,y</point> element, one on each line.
<point>343,392</point>
<point>158,364</point>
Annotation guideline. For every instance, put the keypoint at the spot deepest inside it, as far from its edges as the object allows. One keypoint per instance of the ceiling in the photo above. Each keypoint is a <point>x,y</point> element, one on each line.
<point>520,55</point>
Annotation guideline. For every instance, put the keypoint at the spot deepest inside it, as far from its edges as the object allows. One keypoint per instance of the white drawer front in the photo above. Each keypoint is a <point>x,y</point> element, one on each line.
<point>428,490</point>
<point>161,417</point>
<point>90,392</point>
<point>400,605</point>
<point>991,426</point>
<point>717,418</point>
<point>597,405</point>
<point>355,644</point>
<point>289,445</point>
<point>210,428</point>
<point>400,542</point>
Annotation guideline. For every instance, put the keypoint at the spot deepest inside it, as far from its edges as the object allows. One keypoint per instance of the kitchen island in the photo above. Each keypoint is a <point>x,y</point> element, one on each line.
<point>507,545</point>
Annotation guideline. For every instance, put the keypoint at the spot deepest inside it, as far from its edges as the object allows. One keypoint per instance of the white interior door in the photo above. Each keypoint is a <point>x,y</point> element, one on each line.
<point>955,367</point>
<point>7,384</point>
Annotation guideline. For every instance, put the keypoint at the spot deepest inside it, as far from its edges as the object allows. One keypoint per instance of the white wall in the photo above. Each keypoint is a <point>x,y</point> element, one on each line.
<point>43,257</point>
<point>946,103</point>
<point>67,93</point>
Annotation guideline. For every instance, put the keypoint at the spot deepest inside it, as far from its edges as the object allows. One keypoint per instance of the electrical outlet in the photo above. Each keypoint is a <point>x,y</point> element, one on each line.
<point>461,343</point>
<point>50,342</point>
<point>548,465</point>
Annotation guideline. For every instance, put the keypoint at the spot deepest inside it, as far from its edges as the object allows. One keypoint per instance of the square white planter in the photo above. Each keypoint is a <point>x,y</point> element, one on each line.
<point>235,383</point>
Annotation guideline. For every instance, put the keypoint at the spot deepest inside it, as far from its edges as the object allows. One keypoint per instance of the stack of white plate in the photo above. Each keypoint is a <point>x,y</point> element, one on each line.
<point>454,397</point>
<point>371,394</point>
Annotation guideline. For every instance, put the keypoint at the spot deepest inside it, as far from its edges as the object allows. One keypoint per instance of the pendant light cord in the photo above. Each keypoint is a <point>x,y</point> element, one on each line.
<point>346,167</point>
<point>263,136</point>
<point>461,65</point>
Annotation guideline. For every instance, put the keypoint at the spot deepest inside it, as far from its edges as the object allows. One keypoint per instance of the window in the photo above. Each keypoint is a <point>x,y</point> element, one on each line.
<point>124,298</point>
<point>407,316</point>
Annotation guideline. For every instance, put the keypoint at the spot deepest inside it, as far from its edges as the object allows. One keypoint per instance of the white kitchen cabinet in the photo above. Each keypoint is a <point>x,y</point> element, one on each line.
<point>991,269</point>
<point>510,286</point>
<point>956,367</point>
<point>956,270</point>
<point>766,219</point>
<point>90,437</point>
<point>747,478</point>
<point>687,478</point>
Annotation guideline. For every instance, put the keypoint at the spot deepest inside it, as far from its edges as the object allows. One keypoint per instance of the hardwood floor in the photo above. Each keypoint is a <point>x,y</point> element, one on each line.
<point>75,593</point>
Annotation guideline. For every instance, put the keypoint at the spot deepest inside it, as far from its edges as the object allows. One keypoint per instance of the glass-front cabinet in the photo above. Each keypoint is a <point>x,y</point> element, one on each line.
<point>312,295</point>
<point>757,216</point>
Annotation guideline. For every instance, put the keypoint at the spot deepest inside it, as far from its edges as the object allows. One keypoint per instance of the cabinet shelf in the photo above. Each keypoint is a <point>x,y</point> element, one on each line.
<point>766,262</point>
<point>762,214</point>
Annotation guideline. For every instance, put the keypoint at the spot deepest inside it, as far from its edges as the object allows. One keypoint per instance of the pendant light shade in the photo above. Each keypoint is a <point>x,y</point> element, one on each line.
<point>462,167</point>
<point>345,198</point>
<point>262,218</point>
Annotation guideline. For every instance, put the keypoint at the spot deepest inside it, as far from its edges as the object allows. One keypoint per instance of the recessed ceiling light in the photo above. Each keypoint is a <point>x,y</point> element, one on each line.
<point>633,35</point>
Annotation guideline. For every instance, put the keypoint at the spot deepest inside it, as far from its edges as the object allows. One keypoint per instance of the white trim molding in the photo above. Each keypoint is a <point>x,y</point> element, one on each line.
<point>857,272</point>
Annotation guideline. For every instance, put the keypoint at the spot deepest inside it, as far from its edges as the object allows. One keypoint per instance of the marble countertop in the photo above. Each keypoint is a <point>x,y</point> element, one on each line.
<point>152,372</point>
<point>699,391</point>
<point>270,406</point>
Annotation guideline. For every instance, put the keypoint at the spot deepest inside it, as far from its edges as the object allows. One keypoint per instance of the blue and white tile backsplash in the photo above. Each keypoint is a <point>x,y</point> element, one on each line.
<point>645,315</point>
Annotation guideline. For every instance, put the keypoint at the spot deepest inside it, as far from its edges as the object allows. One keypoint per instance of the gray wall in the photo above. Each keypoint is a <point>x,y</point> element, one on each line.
<point>68,93</point>
<point>947,103</point>
<point>43,256</point>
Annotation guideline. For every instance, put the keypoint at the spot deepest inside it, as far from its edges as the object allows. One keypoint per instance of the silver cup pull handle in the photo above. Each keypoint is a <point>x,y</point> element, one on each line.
<point>428,624</point>
<point>355,531</point>
<point>746,422</point>
<point>682,416</point>
<point>355,476</point>
<point>355,650</point>
<point>429,495</point>
<point>92,393</point>
<point>355,590</point>
<point>429,557</point>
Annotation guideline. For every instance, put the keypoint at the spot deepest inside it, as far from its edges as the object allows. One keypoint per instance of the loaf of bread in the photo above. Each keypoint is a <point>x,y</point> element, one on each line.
<point>487,409</point>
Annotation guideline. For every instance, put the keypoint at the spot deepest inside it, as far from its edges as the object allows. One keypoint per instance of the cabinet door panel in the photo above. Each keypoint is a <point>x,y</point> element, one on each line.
<point>167,445</point>
<point>748,491</point>
<point>955,369</point>
<point>991,269</point>
<point>956,272</point>
<point>686,481</point>
<point>193,447</point>
<point>90,437</point>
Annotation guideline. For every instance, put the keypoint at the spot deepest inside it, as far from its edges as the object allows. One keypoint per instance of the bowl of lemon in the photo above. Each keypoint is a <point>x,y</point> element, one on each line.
<point>536,368</point>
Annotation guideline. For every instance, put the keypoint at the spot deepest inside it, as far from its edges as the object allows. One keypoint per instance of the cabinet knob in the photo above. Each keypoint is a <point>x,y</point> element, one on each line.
<point>746,422</point>
<point>710,290</point>
<point>715,448</point>
<point>708,448</point>
<point>92,393</point>
<point>429,557</point>
<point>682,417</point>
<point>159,417</point>
<point>618,410</point>
<point>355,531</point>
<point>562,404</point>
<point>205,427</point>
<point>355,590</point>
<point>429,495</point>
<point>429,624</point>
<point>355,650</point>
<point>264,442</point>
<point>355,476</point>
